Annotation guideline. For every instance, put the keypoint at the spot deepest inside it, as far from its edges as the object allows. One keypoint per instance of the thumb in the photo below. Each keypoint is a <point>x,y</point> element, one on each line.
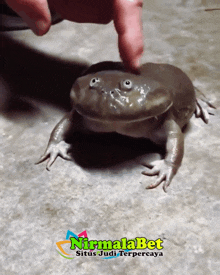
<point>34,12</point>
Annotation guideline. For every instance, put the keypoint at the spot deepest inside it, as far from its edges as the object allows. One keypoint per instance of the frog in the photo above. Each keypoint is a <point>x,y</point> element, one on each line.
<point>154,104</point>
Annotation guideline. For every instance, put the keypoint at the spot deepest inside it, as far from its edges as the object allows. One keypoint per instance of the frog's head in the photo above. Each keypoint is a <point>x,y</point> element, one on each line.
<point>119,96</point>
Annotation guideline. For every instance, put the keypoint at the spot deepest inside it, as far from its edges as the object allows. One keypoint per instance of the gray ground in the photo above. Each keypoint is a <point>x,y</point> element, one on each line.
<point>38,207</point>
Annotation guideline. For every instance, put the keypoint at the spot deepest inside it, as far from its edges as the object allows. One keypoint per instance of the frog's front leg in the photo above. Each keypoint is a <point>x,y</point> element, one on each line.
<point>167,168</point>
<point>57,145</point>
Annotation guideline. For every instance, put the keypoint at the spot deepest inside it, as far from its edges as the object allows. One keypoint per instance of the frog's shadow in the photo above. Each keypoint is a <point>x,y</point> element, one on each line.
<point>105,150</point>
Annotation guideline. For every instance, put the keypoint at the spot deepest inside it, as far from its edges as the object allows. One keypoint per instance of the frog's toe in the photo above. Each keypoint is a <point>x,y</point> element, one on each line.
<point>153,168</point>
<point>205,116</point>
<point>158,182</point>
<point>53,151</point>
<point>201,112</point>
<point>166,185</point>
<point>165,173</point>
<point>197,111</point>
<point>151,172</point>
<point>42,158</point>
<point>161,178</point>
<point>168,180</point>
<point>52,159</point>
<point>58,152</point>
<point>203,109</point>
<point>65,156</point>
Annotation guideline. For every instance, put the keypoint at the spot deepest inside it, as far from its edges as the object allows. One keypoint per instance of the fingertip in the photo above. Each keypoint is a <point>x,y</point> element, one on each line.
<point>131,53</point>
<point>128,24</point>
<point>36,14</point>
<point>38,26</point>
<point>132,65</point>
<point>131,49</point>
<point>42,27</point>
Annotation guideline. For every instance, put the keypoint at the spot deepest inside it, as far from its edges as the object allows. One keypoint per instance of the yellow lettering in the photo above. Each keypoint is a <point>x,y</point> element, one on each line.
<point>158,242</point>
<point>141,243</point>
<point>151,244</point>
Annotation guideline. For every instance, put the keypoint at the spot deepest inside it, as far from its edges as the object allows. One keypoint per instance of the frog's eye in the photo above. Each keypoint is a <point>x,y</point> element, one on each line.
<point>127,84</point>
<point>94,81</point>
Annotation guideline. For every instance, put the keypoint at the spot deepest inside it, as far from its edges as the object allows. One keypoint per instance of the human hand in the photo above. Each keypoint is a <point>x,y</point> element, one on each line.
<point>125,13</point>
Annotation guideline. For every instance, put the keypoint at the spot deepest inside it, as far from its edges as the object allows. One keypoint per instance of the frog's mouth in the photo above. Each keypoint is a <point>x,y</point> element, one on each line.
<point>117,106</point>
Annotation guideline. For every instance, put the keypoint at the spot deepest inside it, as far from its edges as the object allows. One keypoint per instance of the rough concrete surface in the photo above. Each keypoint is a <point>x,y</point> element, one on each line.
<point>109,201</point>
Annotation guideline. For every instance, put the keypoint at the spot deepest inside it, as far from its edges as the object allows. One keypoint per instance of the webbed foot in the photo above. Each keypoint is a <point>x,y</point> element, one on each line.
<point>53,151</point>
<point>165,171</point>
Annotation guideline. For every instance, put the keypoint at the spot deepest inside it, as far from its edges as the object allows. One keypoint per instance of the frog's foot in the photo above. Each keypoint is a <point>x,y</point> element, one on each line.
<point>165,171</point>
<point>204,107</point>
<point>53,151</point>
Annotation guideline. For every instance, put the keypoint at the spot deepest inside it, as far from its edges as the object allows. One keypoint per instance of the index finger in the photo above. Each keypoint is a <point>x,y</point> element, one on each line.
<point>128,24</point>
<point>34,12</point>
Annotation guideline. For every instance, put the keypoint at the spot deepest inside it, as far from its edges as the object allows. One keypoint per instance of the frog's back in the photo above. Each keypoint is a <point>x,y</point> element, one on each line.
<point>178,83</point>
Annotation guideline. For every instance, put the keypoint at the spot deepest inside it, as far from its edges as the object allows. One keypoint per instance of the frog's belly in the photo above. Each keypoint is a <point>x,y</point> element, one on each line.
<point>149,128</point>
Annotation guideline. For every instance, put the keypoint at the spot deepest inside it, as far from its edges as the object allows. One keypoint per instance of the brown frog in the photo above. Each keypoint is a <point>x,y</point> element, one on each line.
<point>155,104</point>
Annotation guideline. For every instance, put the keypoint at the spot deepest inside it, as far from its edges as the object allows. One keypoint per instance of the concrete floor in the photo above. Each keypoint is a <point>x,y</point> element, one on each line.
<point>109,201</point>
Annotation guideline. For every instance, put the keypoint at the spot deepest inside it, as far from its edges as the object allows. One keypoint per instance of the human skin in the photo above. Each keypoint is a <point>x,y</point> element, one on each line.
<point>126,15</point>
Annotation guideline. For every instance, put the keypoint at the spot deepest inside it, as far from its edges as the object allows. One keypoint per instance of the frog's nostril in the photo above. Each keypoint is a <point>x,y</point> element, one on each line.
<point>115,93</point>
